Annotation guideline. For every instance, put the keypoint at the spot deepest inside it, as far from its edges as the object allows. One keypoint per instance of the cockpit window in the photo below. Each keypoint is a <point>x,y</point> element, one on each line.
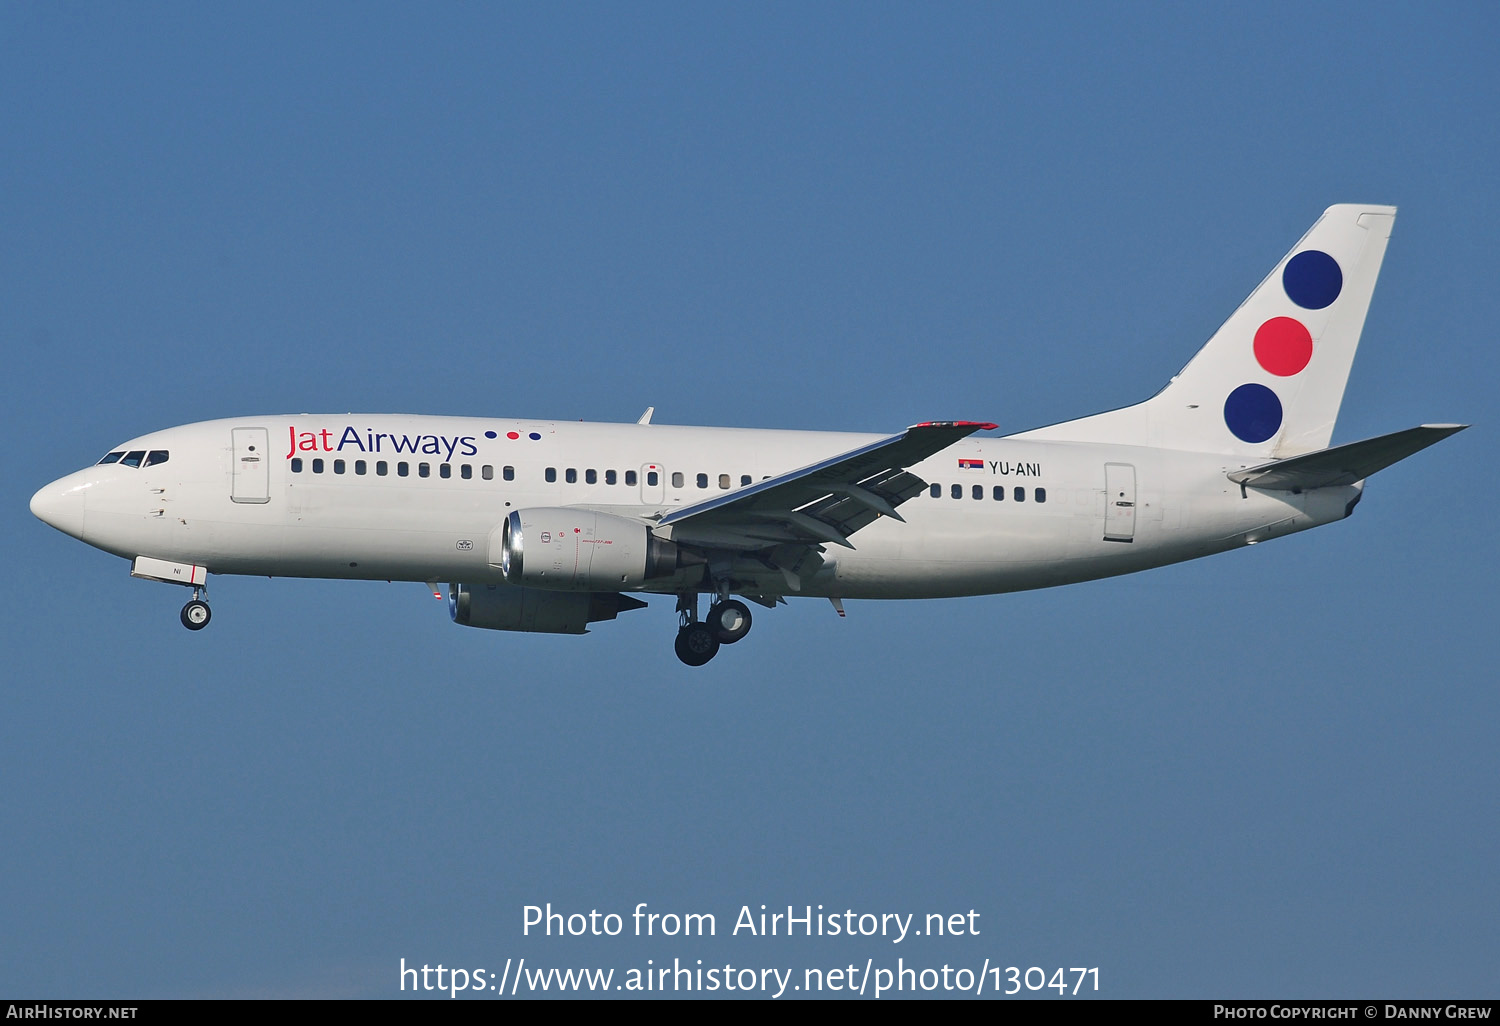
<point>156,456</point>
<point>113,457</point>
<point>133,459</point>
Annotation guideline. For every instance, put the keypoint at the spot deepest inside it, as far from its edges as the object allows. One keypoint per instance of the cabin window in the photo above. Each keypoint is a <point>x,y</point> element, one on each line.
<point>630,478</point>
<point>382,468</point>
<point>317,466</point>
<point>509,473</point>
<point>445,470</point>
<point>465,471</point>
<point>702,480</point>
<point>744,480</point>
<point>403,469</point>
<point>424,469</point>
<point>1041,495</point>
<point>957,491</point>
<point>296,464</point>
<point>338,466</point>
<point>360,466</point>
<point>1020,495</point>
<point>610,477</point>
<point>488,472</point>
<point>677,479</point>
<point>999,493</point>
<point>723,480</point>
<point>551,475</point>
<point>935,490</point>
<point>591,477</point>
<point>978,491</point>
<point>571,476</point>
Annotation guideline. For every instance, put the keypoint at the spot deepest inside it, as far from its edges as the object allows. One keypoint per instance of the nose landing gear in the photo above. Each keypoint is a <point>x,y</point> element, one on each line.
<point>196,614</point>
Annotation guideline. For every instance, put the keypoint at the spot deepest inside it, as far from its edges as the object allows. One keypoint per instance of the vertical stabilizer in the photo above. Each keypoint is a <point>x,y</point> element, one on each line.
<point>1269,382</point>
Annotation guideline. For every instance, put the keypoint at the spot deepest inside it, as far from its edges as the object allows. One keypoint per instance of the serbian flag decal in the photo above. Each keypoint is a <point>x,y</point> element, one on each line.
<point>971,464</point>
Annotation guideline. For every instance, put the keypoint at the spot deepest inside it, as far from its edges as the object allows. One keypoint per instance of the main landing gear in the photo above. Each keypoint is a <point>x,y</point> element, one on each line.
<point>196,614</point>
<point>730,620</point>
<point>696,644</point>
<point>698,641</point>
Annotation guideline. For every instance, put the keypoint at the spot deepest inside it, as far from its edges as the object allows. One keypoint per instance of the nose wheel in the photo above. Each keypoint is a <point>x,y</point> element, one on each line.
<point>196,614</point>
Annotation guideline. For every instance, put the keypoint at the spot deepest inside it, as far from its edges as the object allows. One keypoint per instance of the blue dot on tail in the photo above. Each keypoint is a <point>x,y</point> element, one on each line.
<point>1312,279</point>
<point>1253,413</point>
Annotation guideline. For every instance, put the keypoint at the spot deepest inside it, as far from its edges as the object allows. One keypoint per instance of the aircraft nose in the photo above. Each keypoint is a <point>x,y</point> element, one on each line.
<point>60,505</point>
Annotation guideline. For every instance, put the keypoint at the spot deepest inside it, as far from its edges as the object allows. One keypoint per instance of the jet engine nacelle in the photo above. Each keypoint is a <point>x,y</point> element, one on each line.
<point>565,549</point>
<point>502,607</point>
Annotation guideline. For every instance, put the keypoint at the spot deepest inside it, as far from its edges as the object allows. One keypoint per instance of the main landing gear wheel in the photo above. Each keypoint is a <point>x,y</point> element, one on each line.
<point>729,620</point>
<point>696,644</point>
<point>196,614</point>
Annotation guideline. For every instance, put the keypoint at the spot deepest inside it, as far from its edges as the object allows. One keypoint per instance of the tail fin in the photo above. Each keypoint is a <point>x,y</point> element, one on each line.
<point>1270,381</point>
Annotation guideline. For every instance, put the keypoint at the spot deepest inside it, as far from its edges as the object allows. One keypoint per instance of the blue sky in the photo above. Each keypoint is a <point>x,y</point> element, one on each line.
<point>1266,774</point>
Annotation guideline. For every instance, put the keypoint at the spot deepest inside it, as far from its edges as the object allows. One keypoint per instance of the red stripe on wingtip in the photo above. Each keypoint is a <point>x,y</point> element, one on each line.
<point>979,424</point>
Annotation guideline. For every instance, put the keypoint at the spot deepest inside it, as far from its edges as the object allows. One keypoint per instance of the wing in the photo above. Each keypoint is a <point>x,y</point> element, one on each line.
<point>824,502</point>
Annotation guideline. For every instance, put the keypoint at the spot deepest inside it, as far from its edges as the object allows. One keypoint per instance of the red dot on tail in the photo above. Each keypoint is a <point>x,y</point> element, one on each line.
<point>1283,346</point>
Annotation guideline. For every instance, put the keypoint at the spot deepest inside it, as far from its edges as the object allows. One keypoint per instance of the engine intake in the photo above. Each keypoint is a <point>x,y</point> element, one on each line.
<point>565,549</point>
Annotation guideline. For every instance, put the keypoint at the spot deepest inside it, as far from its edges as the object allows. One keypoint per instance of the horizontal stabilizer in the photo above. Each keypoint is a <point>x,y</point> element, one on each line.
<point>1343,464</point>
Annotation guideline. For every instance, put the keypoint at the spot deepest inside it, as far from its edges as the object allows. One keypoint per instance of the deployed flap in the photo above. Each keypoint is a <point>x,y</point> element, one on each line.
<point>824,502</point>
<point>1343,464</point>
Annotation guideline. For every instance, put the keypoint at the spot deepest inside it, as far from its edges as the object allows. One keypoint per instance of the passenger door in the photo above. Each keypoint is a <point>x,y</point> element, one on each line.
<point>250,450</point>
<point>653,484</point>
<point>1119,502</point>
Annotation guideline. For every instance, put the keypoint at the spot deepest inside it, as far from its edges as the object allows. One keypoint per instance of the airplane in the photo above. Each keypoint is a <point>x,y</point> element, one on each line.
<point>548,526</point>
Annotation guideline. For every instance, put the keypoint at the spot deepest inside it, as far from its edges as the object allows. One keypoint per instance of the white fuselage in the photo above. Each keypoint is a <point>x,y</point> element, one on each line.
<point>421,498</point>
